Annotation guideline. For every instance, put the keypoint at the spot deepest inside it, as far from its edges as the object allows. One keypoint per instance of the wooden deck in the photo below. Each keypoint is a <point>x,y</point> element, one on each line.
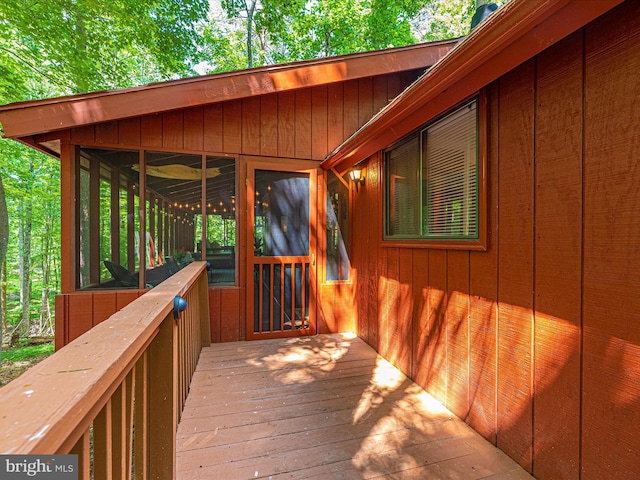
<point>324,407</point>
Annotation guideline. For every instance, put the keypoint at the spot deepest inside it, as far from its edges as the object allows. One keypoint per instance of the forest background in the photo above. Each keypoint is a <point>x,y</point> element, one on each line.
<point>50,48</point>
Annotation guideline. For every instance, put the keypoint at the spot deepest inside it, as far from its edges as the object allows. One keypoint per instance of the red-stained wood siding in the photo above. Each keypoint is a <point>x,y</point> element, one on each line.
<point>515,262</point>
<point>305,124</point>
<point>90,308</point>
<point>302,124</point>
<point>535,341</point>
<point>557,268</point>
<point>611,252</point>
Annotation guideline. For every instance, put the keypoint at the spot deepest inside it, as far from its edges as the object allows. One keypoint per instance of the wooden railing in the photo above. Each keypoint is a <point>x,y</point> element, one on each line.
<point>114,395</point>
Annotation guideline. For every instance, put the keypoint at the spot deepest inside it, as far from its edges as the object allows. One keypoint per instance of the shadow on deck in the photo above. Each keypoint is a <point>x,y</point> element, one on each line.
<point>323,407</point>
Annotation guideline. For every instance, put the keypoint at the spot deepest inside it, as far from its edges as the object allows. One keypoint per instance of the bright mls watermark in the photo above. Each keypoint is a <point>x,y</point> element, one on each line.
<point>51,467</point>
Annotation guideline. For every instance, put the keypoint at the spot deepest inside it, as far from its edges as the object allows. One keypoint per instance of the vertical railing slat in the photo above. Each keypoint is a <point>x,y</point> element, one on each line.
<point>102,443</point>
<point>163,416</point>
<point>140,420</point>
<point>118,429</point>
<point>129,403</point>
<point>83,450</point>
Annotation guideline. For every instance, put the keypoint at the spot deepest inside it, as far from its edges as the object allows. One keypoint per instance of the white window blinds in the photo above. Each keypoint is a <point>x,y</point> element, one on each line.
<point>450,176</point>
<point>432,181</point>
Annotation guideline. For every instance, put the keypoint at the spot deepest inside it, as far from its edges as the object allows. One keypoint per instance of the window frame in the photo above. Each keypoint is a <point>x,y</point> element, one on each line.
<point>479,243</point>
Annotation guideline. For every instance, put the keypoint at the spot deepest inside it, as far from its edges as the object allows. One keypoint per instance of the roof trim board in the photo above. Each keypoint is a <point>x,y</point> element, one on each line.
<point>42,116</point>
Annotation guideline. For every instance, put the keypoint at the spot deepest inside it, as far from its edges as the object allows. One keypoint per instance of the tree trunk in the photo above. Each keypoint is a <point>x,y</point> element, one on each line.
<point>250,13</point>
<point>4,242</point>
<point>24,245</point>
<point>45,325</point>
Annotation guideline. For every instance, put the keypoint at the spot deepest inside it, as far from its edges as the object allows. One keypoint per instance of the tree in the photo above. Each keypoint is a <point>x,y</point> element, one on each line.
<point>57,47</point>
<point>277,31</point>
<point>4,241</point>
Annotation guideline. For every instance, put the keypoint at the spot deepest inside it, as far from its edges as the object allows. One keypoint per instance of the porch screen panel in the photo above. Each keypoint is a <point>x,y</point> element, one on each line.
<point>282,213</point>
<point>220,230</point>
<point>108,189</point>
<point>83,225</point>
<point>174,179</point>
<point>281,251</point>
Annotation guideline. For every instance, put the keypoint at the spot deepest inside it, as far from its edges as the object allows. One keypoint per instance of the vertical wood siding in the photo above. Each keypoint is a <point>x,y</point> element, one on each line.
<point>305,124</point>
<point>536,341</point>
<point>611,247</point>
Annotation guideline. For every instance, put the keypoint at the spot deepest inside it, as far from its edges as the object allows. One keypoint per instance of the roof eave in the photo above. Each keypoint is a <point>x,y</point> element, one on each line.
<point>512,35</point>
<point>41,116</point>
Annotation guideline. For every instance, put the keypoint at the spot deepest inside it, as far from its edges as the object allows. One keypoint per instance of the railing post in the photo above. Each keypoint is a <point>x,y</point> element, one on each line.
<point>162,388</point>
<point>205,323</point>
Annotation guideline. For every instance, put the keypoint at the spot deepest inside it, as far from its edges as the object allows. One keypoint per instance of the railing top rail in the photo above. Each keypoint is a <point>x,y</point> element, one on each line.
<point>47,408</point>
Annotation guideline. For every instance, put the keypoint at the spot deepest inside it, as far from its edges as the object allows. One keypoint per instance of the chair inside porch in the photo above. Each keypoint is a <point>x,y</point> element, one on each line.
<point>323,407</point>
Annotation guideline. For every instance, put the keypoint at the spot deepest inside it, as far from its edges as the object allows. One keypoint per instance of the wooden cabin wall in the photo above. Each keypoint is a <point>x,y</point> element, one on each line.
<point>536,341</point>
<point>307,123</point>
<point>300,124</point>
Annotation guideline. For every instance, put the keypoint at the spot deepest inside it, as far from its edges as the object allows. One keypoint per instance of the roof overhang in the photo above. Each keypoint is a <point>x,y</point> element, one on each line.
<point>516,32</point>
<point>35,117</point>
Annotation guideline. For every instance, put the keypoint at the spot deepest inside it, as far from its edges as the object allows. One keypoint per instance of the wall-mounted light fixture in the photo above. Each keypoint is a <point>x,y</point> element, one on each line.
<point>356,177</point>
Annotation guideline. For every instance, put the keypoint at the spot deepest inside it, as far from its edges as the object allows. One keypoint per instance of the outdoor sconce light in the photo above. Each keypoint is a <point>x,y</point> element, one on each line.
<point>356,177</point>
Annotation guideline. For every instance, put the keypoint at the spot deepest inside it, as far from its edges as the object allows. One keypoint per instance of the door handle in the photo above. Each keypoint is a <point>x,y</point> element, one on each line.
<point>313,259</point>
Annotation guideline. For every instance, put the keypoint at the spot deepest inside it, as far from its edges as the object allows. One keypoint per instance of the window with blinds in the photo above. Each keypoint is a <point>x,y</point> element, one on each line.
<point>432,181</point>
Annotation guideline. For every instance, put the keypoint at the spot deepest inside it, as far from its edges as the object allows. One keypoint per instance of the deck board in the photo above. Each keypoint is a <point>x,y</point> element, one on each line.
<point>323,407</point>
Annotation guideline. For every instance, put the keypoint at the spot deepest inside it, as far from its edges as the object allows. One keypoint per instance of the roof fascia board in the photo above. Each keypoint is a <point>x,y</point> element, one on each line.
<point>515,33</point>
<point>29,118</point>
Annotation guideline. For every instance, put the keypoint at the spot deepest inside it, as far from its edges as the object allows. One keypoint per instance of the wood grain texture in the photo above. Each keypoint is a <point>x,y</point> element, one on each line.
<point>232,121</point>
<point>515,263</point>
<point>286,124</point>
<point>319,122</point>
<point>611,304</point>
<point>173,130</point>
<point>107,132</point>
<point>302,140</point>
<point>82,135</point>
<point>104,305</point>
<point>374,187</point>
<point>558,262</point>
<point>251,122</point>
<point>194,129</point>
<point>269,125</point>
<point>80,309</point>
<point>365,100</point>
<point>483,289</point>
<point>436,356</point>
<point>420,342</point>
<point>213,128</point>
<point>214,314</point>
<point>151,130</point>
<point>351,107</point>
<point>255,409</point>
<point>229,315</point>
<point>335,113</point>
<point>458,333</point>
<point>129,131</point>
<point>402,336</point>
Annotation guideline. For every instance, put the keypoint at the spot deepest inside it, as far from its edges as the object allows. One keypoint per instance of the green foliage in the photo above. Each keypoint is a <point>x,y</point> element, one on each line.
<point>288,30</point>
<point>83,45</point>
<point>23,353</point>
